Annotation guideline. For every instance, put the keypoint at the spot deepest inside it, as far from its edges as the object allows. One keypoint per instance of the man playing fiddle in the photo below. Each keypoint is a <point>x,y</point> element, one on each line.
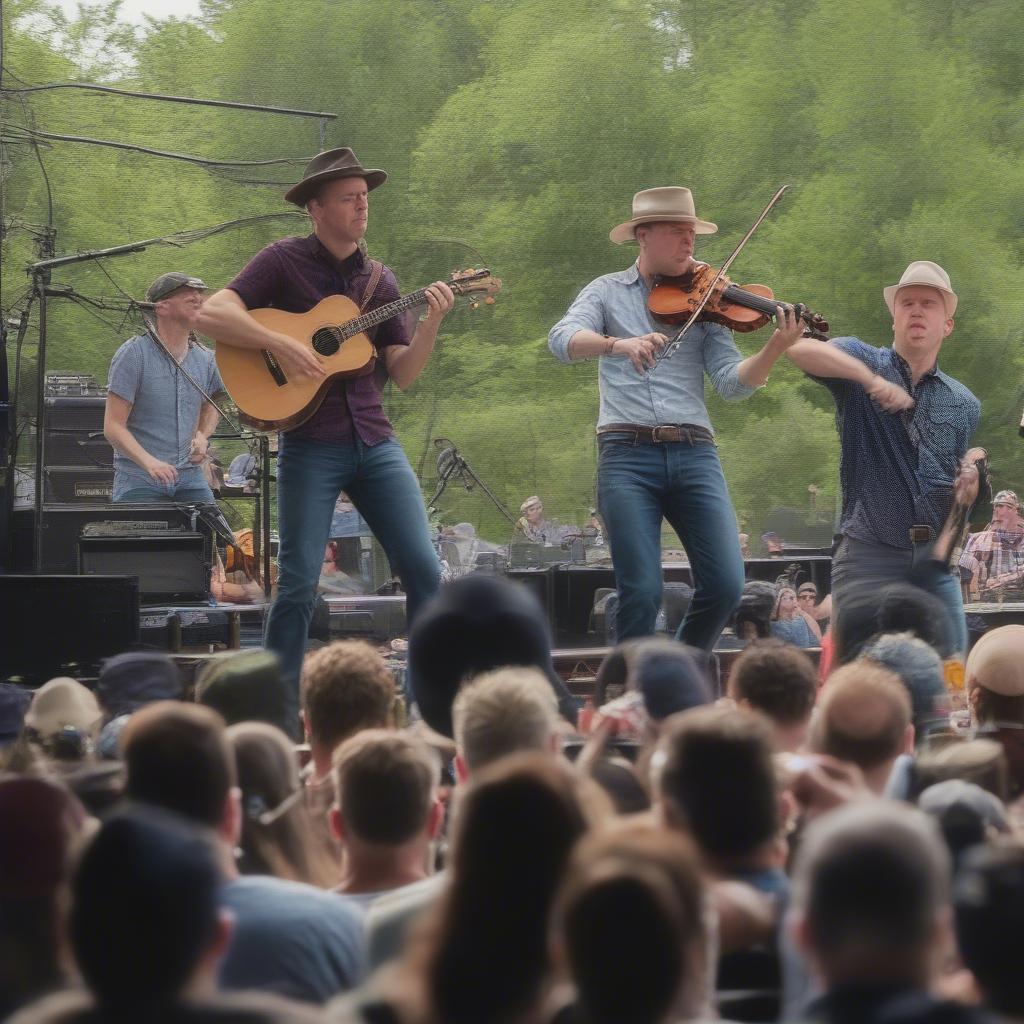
<point>898,471</point>
<point>657,457</point>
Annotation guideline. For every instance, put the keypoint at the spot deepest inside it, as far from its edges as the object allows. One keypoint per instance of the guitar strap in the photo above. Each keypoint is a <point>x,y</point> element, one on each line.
<point>376,269</point>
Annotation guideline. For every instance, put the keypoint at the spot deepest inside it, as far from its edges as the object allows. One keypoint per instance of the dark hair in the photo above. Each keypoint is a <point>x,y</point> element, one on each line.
<point>384,783</point>
<point>346,687</point>
<point>630,920</point>
<point>718,780</point>
<point>776,678</point>
<point>177,757</point>
<point>268,777</point>
<point>486,954</point>
<point>144,909</point>
<point>988,899</point>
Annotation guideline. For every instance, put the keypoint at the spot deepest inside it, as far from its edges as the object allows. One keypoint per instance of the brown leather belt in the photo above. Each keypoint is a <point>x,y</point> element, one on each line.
<point>665,433</point>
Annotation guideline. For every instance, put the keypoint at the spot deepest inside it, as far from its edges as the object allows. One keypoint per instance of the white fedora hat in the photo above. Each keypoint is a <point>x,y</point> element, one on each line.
<point>656,204</point>
<point>928,275</point>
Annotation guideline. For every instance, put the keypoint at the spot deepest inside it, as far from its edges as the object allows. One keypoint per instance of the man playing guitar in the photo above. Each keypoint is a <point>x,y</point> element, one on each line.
<point>348,444</point>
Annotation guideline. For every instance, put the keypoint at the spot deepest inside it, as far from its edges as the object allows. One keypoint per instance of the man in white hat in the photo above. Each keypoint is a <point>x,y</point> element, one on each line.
<point>897,470</point>
<point>657,452</point>
<point>992,561</point>
<point>348,444</point>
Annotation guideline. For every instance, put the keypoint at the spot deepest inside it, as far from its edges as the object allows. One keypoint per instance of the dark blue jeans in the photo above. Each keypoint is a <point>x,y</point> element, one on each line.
<point>384,489</point>
<point>638,485</point>
<point>169,493</point>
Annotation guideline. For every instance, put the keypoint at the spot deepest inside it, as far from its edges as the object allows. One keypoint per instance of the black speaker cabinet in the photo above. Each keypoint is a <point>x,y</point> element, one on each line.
<point>79,484</point>
<point>171,565</point>
<point>47,622</point>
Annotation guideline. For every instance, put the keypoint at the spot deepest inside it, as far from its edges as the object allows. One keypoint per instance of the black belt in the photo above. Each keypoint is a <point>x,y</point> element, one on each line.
<point>665,433</point>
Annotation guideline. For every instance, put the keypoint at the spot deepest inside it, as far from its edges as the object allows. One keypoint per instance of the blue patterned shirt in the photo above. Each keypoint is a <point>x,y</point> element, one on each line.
<point>897,469</point>
<point>673,392</point>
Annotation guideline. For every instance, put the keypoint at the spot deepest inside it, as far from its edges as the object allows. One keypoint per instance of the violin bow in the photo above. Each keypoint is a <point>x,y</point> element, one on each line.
<point>674,343</point>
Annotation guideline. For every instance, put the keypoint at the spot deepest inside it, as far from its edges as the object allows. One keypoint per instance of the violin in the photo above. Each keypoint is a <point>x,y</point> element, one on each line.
<point>674,299</point>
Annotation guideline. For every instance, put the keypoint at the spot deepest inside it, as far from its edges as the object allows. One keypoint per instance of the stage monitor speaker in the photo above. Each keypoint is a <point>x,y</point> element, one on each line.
<point>171,565</point>
<point>48,622</point>
<point>79,484</point>
<point>64,412</point>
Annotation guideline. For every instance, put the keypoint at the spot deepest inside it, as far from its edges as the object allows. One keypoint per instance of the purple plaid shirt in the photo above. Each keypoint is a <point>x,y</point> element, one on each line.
<point>294,274</point>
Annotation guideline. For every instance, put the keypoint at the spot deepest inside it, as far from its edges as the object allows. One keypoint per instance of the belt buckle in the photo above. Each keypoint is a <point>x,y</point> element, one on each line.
<point>663,426</point>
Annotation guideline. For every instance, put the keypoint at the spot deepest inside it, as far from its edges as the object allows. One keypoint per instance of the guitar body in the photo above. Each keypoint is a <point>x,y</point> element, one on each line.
<point>266,399</point>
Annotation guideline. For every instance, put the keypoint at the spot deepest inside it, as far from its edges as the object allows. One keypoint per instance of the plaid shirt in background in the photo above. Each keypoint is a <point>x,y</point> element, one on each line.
<point>994,555</point>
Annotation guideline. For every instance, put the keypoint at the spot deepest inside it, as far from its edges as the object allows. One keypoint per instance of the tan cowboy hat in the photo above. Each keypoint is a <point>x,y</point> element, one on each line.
<point>334,163</point>
<point>927,274</point>
<point>656,204</point>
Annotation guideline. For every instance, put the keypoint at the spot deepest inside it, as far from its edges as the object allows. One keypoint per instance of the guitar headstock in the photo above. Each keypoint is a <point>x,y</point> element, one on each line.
<point>479,282</point>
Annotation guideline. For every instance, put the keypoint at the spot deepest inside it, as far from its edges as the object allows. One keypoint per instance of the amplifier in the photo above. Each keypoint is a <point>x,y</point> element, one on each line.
<point>76,484</point>
<point>72,384</point>
<point>72,412</point>
<point>172,565</point>
<point>78,448</point>
<point>367,616</point>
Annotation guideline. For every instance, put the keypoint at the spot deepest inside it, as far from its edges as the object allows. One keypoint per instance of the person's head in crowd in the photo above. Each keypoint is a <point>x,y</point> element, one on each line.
<point>63,720</point>
<point>714,779</point>
<point>503,712</point>
<point>387,812</point>
<point>41,824</point>
<point>871,898</point>
<point>474,625</point>
<point>1006,511</point>
<point>145,923</point>
<point>919,669</point>
<point>864,718</point>
<point>346,687</point>
<point>785,603</point>
<point>177,757</point>
<point>966,814</point>
<point>807,596</point>
<point>483,955</point>
<point>277,834</point>
<point>894,608</point>
<point>981,761</point>
<point>622,782</point>
<point>629,926</point>
<point>988,901</point>
<point>129,681</point>
<point>16,752</point>
<point>994,678</point>
<point>246,686</point>
<point>754,613</point>
<point>780,681</point>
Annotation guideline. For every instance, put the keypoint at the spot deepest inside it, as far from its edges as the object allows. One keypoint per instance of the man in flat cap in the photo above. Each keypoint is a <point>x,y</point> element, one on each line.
<point>157,420</point>
<point>898,465</point>
<point>348,444</point>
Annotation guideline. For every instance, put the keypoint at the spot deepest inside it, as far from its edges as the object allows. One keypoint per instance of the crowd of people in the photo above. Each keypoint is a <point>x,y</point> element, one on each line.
<point>766,846</point>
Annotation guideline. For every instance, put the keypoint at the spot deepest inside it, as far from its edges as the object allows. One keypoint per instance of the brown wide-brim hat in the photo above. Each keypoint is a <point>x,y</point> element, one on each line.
<point>672,203</point>
<point>331,164</point>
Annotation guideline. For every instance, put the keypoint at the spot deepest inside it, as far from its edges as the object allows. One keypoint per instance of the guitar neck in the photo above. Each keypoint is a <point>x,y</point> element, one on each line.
<point>386,312</point>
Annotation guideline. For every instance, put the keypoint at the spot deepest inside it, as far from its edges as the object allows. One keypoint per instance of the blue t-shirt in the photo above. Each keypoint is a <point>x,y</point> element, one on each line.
<point>794,631</point>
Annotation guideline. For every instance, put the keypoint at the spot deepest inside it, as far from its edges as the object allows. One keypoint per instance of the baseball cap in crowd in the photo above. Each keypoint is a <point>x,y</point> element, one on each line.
<point>63,703</point>
<point>1006,498</point>
<point>14,702</point>
<point>996,661</point>
<point>955,796</point>
<point>246,686</point>
<point>129,681</point>
<point>165,284</point>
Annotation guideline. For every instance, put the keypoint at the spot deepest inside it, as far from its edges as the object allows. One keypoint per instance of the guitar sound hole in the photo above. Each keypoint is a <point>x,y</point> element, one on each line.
<point>326,341</point>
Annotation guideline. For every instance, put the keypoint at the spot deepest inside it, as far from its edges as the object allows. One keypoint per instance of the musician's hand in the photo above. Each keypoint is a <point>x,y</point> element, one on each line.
<point>440,299</point>
<point>162,472</point>
<point>199,449</point>
<point>641,350</point>
<point>789,328</point>
<point>887,396</point>
<point>298,362</point>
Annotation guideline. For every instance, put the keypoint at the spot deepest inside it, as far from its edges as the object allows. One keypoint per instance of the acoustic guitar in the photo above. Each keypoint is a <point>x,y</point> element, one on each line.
<point>334,330</point>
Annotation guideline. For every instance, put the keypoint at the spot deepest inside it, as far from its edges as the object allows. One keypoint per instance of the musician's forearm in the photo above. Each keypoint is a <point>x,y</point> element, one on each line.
<point>209,417</point>
<point>753,371</point>
<point>225,318</point>
<point>827,361</point>
<point>406,363</point>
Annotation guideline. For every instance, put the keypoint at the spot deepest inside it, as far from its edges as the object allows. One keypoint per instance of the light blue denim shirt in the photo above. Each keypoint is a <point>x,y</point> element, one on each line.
<point>673,392</point>
<point>165,407</point>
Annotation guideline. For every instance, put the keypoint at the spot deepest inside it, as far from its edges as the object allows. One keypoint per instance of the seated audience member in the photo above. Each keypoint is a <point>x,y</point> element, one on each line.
<point>482,954</point>
<point>278,837</point>
<point>147,932</point>
<point>387,812</point>
<point>63,721</point>
<point>128,682</point>
<point>807,598</point>
<point>629,927</point>
<point>754,614</point>
<point>715,781</point>
<point>967,815</point>
<point>246,686</point>
<point>774,678</point>
<point>790,623</point>
<point>894,608</point>
<point>988,899</point>
<point>994,678</point>
<point>919,669</point>
<point>476,624</point>
<point>871,901</point>
<point>864,718</point>
<point>41,823</point>
<point>289,938</point>
<point>992,561</point>
<point>345,688</point>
